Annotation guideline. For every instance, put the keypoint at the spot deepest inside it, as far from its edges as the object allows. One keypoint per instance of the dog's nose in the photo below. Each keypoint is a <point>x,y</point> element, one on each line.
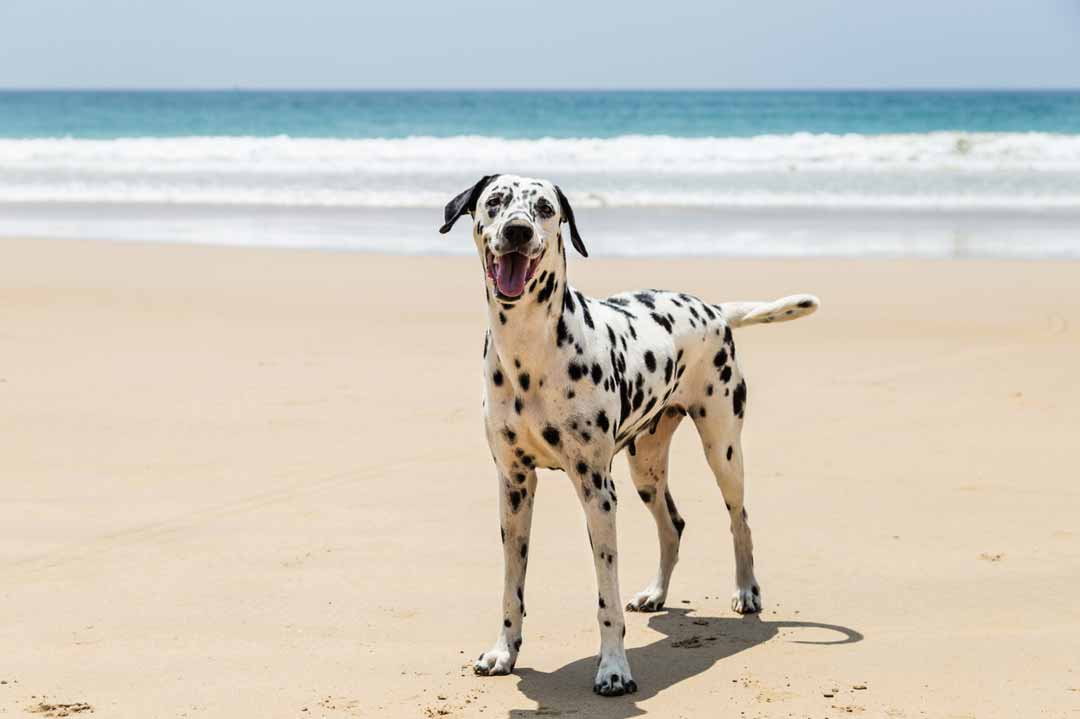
<point>517,235</point>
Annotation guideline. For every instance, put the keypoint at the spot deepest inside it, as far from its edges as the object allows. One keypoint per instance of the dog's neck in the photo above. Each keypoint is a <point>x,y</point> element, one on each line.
<point>525,332</point>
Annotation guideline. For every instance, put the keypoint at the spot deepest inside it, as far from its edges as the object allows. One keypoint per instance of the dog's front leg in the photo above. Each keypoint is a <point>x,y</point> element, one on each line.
<point>597,494</point>
<point>515,508</point>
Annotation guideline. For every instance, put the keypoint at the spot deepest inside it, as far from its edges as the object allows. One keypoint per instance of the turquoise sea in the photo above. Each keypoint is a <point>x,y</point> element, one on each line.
<point>528,115</point>
<point>724,173</point>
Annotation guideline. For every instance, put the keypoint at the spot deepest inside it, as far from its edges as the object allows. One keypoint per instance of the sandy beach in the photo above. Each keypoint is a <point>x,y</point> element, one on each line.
<point>253,483</point>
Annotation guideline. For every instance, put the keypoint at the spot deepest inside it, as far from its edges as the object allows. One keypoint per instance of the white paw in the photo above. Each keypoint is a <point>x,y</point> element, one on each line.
<point>747,600</point>
<point>499,660</point>
<point>613,677</point>
<point>648,600</point>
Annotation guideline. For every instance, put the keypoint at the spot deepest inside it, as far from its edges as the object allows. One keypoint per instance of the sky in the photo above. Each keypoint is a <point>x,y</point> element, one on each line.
<point>490,44</point>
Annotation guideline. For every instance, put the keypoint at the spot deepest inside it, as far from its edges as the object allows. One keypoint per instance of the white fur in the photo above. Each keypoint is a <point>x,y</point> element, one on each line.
<point>568,384</point>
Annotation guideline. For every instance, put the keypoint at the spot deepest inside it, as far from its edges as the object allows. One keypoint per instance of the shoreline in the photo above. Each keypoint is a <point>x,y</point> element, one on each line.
<point>828,233</point>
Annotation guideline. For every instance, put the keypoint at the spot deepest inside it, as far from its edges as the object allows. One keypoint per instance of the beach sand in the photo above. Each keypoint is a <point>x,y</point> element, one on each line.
<point>253,482</point>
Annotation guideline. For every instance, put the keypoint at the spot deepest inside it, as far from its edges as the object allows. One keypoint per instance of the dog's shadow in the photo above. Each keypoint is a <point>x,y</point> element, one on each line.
<point>690,646</point>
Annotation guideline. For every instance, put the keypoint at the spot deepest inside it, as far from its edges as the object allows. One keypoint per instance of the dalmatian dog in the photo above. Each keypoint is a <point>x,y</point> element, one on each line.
<point>570,381</point>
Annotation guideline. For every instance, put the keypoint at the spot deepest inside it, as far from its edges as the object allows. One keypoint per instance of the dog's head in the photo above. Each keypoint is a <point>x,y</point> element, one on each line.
<point>516,224</point>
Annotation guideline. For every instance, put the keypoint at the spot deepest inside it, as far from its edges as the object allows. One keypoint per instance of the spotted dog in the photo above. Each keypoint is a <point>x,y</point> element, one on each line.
<point>570,380</point>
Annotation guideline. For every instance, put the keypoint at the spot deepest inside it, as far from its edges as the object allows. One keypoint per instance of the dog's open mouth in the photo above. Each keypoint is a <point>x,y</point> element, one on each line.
<point>510,272</point>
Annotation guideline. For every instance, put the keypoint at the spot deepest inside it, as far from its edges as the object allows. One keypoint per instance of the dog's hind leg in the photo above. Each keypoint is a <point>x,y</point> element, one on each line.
<point>719,419</point>
<point>516,492</point>
<point>648,459</point>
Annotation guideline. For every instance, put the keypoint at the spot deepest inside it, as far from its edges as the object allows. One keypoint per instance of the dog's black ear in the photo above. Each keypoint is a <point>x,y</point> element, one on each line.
<point>465,202</point>
<point>568,215</point>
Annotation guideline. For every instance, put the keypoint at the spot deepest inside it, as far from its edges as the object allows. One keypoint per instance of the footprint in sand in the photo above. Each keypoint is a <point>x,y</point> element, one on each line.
<point>60,710</point>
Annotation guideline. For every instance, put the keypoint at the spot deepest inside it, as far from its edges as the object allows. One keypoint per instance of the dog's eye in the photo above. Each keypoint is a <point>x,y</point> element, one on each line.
<point>494,201</point>
<point>544,209</point>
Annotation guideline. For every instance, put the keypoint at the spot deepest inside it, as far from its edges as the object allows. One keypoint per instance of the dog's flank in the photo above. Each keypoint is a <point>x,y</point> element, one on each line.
<point>569,381</point>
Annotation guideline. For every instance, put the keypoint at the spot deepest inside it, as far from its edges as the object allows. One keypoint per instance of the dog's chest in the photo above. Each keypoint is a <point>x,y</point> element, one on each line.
<point>534,428</point>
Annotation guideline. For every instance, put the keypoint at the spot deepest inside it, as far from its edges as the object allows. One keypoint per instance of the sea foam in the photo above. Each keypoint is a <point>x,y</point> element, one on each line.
<point>898,171</point>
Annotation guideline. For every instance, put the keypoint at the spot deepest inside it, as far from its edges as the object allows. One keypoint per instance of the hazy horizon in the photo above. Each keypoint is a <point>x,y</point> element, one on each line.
<point>271,89</point>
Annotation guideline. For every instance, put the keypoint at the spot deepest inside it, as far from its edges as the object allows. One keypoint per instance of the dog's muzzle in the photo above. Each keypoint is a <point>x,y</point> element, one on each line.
<point>510,271</point>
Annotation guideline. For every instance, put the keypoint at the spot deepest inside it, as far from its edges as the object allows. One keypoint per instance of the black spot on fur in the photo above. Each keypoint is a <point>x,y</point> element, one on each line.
<point>597,373</point>
<point>645,495</point>
<point>650,361</point>
<point>517,404</point>
<point>597,481</point>
<point>582,468</point>
<point>568,302</point>
<point>523,380</point>
<point>497,378</point>
<point>738,398</point>
<point>606,505</point>
<point>646,299</point>
<point>585,311</point>
<point>725,374</point>
<point>624,401</point>
<point>551,435</point>
<point>545,293</point>
<point>561,335</point>
<point>662,321</point>
<point>602,421</point>
<point>668,367</point>
<point>730,451</point>
<point>675,518</point>
<point>720,359</point>
<point>515,500</point>
<point>709,390</point>
<point>805,304</point>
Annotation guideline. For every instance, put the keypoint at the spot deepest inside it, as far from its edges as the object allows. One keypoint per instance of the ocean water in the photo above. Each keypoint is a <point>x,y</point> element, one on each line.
<point>649,173</point>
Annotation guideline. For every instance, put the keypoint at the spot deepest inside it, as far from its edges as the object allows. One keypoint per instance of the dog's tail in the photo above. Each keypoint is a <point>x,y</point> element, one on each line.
<point>740,314</point>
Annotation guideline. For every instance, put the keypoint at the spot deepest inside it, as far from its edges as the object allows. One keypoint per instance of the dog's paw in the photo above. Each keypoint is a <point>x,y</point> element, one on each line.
<point>613,678</point>
<point>495,662</point>
<point>649,600</point>
<point>747,600</point>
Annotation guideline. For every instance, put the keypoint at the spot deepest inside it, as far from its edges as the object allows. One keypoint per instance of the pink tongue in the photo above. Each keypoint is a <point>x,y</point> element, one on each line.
<point>511,275</point>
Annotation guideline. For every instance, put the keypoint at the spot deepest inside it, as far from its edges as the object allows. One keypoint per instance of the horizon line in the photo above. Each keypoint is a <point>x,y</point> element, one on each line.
<point>330,89</point>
